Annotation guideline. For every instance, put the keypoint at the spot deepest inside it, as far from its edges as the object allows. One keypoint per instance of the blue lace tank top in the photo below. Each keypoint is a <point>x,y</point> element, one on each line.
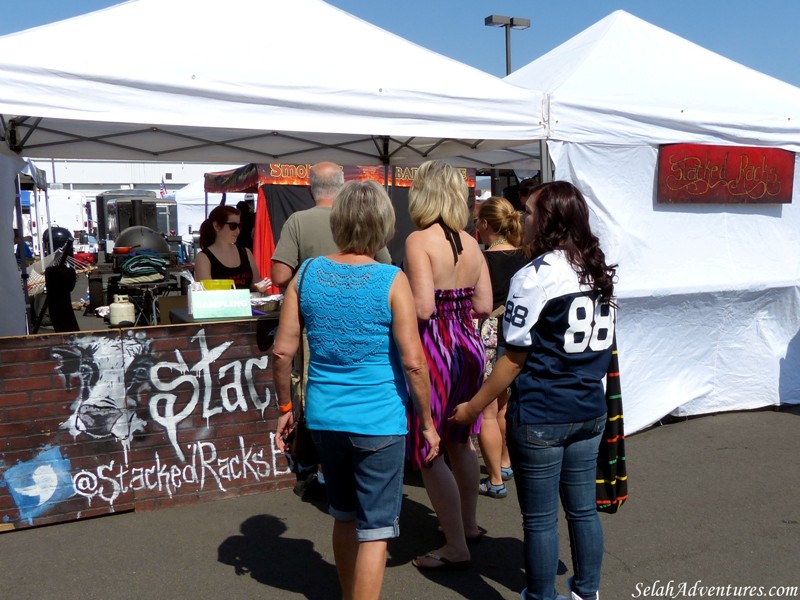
<point>355,380</point>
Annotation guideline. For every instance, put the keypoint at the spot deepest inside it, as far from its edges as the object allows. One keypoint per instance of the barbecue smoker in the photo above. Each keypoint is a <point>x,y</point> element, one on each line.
<point>118,210</point>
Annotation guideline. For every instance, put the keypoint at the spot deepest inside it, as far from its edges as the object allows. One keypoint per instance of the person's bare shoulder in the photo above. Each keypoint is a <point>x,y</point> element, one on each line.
<point>424,235</point>
<point>469,241</point>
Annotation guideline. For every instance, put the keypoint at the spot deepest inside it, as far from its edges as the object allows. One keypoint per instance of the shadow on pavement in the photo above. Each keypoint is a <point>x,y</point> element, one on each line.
<point>419,534</point>
<point>279,562</point>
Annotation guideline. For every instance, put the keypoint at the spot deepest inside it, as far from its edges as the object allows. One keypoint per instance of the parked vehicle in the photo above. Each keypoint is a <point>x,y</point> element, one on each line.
<point>87,248</point>
<point>118,210</point>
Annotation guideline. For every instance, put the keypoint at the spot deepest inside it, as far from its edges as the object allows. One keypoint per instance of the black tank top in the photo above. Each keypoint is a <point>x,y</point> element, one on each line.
<point>242,274</point>
<point>503,265</point>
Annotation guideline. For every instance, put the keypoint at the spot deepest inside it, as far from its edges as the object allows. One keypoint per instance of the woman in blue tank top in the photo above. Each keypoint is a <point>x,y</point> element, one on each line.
<point>359,379</point>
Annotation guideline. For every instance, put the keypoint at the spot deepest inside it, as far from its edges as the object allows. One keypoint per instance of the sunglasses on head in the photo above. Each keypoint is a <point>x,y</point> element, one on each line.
<point>233,226</point>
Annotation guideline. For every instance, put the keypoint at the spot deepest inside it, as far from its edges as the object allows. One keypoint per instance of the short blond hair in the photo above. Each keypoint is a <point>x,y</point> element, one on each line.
<point>362,218</point>
<point>438,192</point>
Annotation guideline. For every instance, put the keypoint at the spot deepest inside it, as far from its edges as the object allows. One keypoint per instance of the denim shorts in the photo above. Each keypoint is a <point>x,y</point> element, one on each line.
<point>363,480</point>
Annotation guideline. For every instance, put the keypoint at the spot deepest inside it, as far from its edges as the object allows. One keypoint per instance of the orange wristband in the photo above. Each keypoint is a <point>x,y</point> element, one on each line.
<point>284,408</point>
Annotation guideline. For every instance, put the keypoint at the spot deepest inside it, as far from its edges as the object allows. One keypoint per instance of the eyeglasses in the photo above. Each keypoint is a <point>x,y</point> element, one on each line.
<point>233,226</point>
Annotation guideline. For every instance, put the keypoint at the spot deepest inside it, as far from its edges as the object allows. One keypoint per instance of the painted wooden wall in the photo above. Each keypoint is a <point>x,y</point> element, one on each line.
<point>132,419</point>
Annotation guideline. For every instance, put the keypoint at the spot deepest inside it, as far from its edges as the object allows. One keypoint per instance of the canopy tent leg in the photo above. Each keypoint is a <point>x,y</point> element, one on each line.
<point>23,265</point>
<point>545,163</point>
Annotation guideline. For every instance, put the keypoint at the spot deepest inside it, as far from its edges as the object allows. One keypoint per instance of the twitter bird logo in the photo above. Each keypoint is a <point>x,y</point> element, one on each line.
<point>40,483</point>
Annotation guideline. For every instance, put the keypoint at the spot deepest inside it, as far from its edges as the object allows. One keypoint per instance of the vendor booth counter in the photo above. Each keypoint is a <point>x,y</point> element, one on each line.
<point>136,419</point>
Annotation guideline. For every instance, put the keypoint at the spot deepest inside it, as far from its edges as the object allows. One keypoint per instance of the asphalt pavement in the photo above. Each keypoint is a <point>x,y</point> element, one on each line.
<point>714,500</point>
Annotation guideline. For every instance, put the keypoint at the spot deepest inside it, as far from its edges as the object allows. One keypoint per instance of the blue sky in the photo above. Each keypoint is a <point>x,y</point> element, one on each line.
<point>762,35</point>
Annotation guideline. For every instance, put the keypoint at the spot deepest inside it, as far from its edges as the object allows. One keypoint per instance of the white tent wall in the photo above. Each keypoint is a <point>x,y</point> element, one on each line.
<point>191,202</point>
<point>680,248</point>
<point>12,299</point>
<point>709,295</point>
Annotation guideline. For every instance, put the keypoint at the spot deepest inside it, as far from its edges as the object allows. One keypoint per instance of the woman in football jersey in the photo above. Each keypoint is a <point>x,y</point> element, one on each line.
<point>559,330</point>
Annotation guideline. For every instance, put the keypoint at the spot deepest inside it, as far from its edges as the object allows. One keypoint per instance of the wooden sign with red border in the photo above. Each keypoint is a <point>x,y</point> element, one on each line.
<point>705,174</point>
<point>404,176</point>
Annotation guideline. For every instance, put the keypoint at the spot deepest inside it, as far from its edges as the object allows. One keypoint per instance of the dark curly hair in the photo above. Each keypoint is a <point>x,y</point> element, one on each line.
<point>561,221</point>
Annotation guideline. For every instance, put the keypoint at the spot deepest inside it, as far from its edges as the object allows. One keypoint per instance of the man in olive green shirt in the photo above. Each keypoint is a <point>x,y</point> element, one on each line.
<point>307,233</point>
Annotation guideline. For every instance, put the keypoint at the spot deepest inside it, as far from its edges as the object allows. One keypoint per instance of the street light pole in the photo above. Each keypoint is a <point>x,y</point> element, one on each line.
<point>508,49</point>
<point>508,23</point>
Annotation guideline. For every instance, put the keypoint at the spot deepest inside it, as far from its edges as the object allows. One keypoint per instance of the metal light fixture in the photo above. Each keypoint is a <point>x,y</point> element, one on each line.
<point>508,23</point>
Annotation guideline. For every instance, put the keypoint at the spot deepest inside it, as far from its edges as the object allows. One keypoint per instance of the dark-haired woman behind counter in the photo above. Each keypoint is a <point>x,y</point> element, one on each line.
<point>221,258</point>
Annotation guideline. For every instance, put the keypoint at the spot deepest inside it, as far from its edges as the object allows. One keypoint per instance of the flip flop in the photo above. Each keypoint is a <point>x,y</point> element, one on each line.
<point>444,563</point>
<point>471,539</point>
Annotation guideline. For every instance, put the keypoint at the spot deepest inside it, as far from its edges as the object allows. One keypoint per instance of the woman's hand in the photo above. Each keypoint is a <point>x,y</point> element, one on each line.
<point>432,438</point>
<point>263,285</point>
<point>284,428</point>
<point>464,414</point>
<point>285,347</point>
<point>505,371</point>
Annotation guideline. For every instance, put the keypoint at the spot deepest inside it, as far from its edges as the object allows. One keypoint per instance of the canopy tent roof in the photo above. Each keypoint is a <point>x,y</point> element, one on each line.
<point>626,81</point>
<point>305,82</point>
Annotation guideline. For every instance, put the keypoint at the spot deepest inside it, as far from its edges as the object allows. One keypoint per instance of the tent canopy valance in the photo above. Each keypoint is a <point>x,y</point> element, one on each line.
<point>246,179</point>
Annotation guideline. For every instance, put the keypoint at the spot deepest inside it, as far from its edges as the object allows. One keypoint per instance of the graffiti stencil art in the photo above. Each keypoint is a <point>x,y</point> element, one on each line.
<point>39,483</point>
<point>112,375</point>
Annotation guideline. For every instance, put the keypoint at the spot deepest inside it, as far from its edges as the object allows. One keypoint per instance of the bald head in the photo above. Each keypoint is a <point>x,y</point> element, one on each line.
<point>325,180</point>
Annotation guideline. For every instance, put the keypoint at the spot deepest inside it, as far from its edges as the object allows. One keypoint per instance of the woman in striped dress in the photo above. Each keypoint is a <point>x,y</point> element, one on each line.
<point>450,282</point>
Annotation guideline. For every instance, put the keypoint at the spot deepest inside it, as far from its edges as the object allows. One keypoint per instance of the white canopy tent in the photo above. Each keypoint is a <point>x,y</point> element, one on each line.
<point>709,294</point>
<point>304,81</point>
<point>192,205</point>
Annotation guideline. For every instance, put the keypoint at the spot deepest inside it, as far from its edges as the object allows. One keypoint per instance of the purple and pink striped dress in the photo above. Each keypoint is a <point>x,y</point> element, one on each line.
<point>455,361</point>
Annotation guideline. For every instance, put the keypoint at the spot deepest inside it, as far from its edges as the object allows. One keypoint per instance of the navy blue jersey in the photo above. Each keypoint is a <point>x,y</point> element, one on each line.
<point>567,333</point>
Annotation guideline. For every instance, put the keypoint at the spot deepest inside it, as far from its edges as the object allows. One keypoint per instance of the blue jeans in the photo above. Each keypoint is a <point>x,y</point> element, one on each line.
<point>549,461</point>
<point>363,480</point>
